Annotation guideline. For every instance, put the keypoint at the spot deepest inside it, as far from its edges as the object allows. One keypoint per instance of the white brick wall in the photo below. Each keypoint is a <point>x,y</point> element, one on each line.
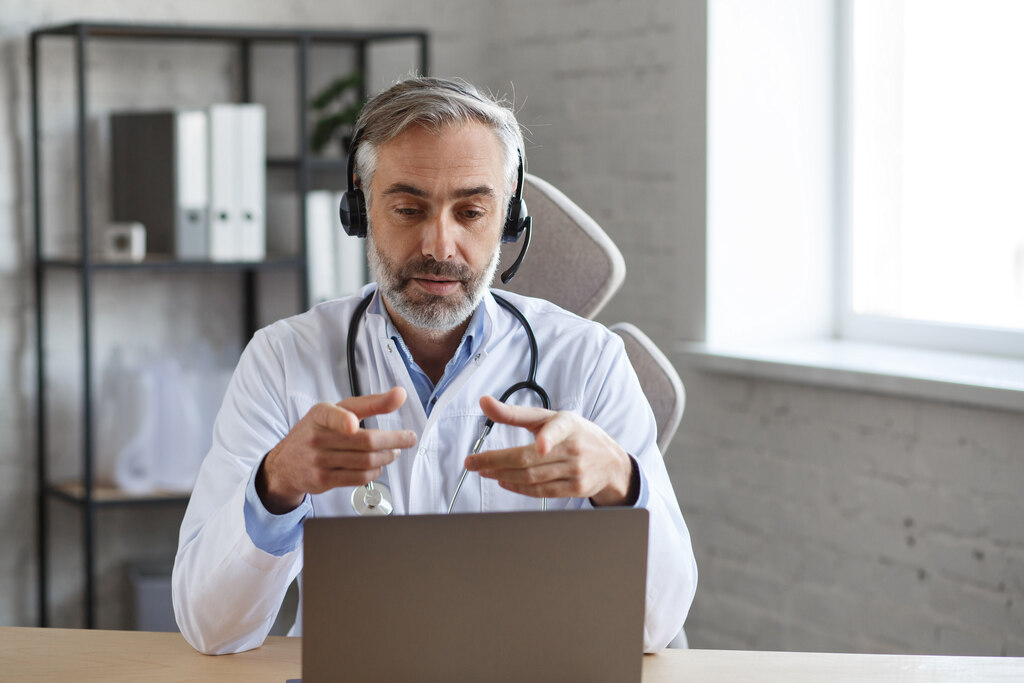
<point>821,519</point>
<point>825,519</point>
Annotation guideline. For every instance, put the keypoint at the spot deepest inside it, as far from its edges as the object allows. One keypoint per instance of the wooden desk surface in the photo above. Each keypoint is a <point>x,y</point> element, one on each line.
<point>32,654</point>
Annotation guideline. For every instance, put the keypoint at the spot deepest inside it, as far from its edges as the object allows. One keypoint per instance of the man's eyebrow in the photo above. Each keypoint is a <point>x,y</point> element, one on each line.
<point>403,188</point>
<point>485,190</point>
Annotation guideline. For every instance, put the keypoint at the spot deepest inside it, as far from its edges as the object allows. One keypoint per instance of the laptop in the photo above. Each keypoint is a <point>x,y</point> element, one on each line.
<point>516,596</point>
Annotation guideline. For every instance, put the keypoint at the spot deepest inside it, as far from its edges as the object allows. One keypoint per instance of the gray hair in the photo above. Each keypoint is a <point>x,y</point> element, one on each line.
<point>434,103</point>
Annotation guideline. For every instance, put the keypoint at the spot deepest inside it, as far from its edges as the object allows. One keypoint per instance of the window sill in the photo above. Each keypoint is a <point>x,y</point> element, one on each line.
<point>987,381</point>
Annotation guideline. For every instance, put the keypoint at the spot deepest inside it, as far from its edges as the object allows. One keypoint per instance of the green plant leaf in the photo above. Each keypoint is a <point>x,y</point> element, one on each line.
<point>323,131</point>
<point>336,89</point>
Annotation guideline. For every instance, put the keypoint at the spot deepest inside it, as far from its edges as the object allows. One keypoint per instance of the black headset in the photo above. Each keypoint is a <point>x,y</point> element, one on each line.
<point>353,204</point>
<point>517,218</point>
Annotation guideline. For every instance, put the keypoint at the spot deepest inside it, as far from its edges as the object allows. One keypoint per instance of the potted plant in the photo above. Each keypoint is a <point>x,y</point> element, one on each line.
<point>337,107</point>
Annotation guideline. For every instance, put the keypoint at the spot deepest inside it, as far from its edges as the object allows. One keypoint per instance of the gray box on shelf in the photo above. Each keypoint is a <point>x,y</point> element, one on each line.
<point>159,178</point>
<point>150,584</point>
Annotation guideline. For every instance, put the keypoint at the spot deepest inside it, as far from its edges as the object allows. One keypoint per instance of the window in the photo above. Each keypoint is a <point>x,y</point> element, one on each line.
<point>933,173</point>
<point>866,196</point>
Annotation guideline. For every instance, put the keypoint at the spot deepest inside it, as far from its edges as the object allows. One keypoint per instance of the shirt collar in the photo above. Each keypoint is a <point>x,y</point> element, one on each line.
<point>472,338</point>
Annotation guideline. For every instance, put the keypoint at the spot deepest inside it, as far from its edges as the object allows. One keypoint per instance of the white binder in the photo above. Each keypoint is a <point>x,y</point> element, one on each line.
<point>320,249</point>
<point>252,181</point>
<point>350,259</point>
<point>238,182</point>
<point>191,183</point>
<point>224,235</point>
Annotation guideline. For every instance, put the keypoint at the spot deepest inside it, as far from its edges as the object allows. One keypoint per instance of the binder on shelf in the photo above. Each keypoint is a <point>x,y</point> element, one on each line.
<point>223,177</point>
<point>159,178</point>
<point>237,182</point>
<point>192,220</point>
<point>252,181</point>
<point>337,262</point>
<point>350,261</point>
<point>320,246</point>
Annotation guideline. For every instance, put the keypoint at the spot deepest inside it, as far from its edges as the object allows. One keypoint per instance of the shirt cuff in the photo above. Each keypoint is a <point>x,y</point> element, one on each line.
<point>645,491</point>
<point>274,534</point>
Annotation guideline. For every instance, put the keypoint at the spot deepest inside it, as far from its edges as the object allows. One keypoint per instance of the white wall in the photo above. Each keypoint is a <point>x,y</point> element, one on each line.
<point>821,519</point>
<point>613,95</point>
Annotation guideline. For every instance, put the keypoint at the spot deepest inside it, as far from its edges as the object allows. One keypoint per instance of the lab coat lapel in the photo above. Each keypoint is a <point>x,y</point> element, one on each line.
<point>386,370</point>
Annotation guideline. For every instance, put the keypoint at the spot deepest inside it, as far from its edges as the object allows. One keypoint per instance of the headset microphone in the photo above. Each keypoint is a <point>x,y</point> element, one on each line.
<point>514,268</point>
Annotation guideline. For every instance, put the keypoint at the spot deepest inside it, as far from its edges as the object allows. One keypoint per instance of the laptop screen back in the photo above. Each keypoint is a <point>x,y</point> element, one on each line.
<point>519,596</point>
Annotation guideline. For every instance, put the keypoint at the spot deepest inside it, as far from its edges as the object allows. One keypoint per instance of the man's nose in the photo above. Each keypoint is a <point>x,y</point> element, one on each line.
<point>439,237</point>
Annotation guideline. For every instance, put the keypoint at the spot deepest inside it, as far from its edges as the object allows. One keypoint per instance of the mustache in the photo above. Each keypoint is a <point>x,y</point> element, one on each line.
<point>431,266</point>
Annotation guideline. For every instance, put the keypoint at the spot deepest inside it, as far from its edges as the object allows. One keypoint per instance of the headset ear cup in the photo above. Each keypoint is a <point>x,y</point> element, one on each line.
<point>352,212</point>
<point>514,221</point>
<point>359,199</point>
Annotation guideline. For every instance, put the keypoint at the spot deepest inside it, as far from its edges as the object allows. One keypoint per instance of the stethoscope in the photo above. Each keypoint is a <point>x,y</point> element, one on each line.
<point>374,499</point>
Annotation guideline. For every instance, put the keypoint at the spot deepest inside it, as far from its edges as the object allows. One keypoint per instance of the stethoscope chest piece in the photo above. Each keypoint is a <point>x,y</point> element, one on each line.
<point>373,500</point>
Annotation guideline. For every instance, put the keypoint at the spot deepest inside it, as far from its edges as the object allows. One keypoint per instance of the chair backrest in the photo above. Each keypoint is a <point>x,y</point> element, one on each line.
<point>660,381</point>
<point>572,262</point>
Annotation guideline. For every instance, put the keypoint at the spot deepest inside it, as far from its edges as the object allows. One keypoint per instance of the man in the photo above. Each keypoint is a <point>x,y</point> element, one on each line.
<point>437,163</point>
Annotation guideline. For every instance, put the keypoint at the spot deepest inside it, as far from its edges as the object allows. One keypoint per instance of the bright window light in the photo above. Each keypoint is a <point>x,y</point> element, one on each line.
<point>936,160</point>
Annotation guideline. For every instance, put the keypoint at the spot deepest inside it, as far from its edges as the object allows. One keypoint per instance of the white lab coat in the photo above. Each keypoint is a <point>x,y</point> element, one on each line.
<point>227,592</point>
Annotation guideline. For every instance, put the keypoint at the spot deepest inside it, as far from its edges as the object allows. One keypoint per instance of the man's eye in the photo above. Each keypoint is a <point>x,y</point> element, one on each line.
<point>406,211</point>
<point>472,214</point>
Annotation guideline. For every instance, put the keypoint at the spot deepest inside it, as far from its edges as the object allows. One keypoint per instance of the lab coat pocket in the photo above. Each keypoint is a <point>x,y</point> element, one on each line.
<point>494,498</point>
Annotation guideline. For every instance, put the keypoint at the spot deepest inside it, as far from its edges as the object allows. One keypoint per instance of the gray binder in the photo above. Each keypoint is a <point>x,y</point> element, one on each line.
<point>159,177</point>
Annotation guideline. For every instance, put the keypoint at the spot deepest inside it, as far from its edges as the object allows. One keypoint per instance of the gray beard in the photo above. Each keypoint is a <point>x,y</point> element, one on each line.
<point>421,309</point>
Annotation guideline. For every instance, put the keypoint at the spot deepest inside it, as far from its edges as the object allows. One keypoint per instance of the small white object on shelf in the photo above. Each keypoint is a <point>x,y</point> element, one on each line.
<point>125,242</point>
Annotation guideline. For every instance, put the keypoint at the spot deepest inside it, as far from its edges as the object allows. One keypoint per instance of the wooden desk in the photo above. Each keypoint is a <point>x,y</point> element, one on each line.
<point>65,655</point>
<point>32,654</point>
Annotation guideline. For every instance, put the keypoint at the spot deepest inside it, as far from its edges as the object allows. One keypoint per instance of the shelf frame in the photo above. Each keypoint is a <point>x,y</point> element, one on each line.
<point>85,494</point>
<point>105,496</point>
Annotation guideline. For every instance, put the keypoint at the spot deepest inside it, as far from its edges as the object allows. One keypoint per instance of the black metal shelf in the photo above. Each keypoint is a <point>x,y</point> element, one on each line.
<point>75,493</point>
<point>152,263</point>
<point>86,495</point>
<point>316,164</point>
<point>227,33</point>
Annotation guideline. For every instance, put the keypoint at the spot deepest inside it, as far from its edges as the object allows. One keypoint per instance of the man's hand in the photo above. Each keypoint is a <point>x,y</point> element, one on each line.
<point>327,449</point>
<point>570,457</point>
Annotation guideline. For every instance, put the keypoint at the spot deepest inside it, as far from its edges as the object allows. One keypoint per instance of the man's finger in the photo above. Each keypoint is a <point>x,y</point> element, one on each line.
<point>334,418</point>
<point>553,432</point>
<point>374,404</point>
<point>534,476</point>
<point>560,488</point>
<point>356,460</point>
<point>518,416</point>
<point>365,439</point>
<point>517,457</point>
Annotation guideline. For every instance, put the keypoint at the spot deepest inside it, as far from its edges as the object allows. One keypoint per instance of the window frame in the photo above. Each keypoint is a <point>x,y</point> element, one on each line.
<point>861,327</point>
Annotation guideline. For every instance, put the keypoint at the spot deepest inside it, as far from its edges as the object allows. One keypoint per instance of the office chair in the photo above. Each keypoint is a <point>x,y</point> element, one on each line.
<point>660,381</point>
<point>573,263</point>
